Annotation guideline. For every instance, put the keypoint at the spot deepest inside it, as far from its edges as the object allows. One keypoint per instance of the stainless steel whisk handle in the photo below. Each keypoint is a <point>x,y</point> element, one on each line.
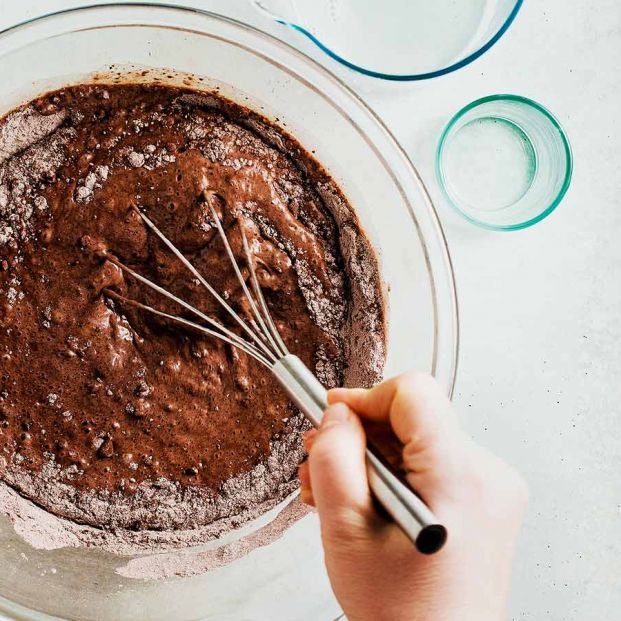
<point>399,501</point>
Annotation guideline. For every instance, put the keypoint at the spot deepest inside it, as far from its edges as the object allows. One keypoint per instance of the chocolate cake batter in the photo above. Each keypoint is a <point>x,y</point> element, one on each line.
<point>116,418</point>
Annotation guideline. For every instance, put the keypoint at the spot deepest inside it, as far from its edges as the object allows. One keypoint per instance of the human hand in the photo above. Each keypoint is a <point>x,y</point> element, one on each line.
<point>375,571</point>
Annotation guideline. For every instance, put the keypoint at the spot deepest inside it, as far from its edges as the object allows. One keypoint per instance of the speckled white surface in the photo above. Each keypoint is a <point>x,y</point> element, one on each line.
<point>541,329</point>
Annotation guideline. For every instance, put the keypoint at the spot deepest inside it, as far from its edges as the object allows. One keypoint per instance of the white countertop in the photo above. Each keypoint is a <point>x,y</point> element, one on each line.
<point>540,309</point>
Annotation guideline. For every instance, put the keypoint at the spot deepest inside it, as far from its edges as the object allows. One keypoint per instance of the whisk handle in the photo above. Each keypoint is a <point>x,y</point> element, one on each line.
<point>303,387</point>
<point>399,501</point>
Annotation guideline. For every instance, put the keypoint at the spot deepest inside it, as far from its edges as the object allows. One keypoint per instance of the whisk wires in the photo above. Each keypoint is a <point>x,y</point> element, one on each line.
<point>264,344</point>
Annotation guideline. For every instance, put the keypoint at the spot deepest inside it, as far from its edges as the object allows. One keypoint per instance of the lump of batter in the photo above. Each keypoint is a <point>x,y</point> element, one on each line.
<point>119,419</point>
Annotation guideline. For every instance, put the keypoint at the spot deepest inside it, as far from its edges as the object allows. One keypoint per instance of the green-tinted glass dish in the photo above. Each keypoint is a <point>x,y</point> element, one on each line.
<point>504,162</point>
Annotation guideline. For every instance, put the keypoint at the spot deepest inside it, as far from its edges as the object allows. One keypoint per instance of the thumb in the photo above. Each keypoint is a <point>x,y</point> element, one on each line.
<point>338,473</point>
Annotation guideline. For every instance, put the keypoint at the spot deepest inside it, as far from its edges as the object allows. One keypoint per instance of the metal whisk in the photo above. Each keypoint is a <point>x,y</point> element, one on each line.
<point>264,344</point>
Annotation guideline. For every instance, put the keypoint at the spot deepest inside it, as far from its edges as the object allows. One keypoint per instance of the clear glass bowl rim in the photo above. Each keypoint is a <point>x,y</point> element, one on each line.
<point>403,77</point>
<point>566,147</point>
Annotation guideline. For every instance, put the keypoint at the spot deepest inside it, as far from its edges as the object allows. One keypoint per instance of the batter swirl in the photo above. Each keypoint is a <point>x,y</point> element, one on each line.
<point>118,419</point>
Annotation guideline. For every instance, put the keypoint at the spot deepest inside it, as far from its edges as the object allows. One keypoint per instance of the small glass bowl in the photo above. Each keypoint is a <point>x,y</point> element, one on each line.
<point>398,39</point>
<point>504,162</point>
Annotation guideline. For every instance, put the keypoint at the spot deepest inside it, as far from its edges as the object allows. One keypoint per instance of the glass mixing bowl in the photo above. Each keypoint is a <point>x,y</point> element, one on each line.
<point>398,39</point>
<point>284,580</point>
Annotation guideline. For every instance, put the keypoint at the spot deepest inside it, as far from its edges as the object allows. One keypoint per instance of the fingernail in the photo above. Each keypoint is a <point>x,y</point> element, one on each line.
<point>306,496</point>
<point>335,415</point>
<point>336,395</point>
<point>304,476</point>
<point>308,438</point>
